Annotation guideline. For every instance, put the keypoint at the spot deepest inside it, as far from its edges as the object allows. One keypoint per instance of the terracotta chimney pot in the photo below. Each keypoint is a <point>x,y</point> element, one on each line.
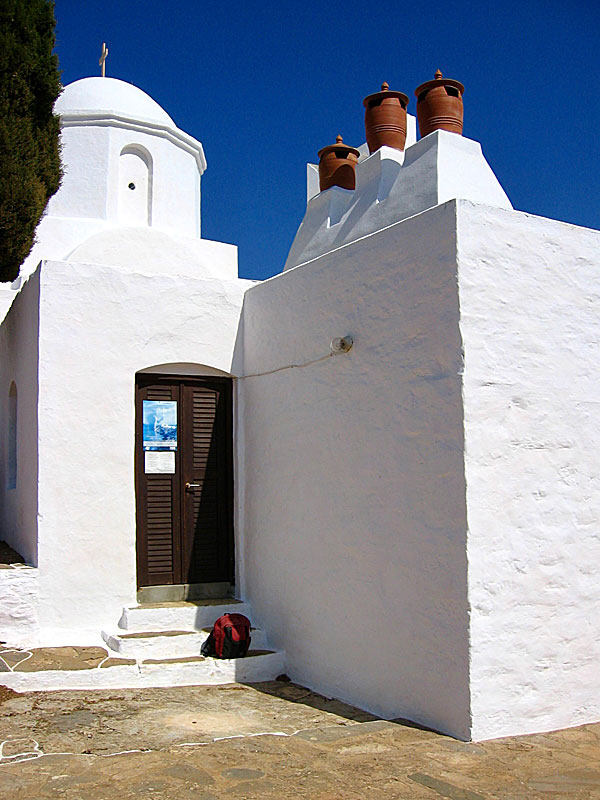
<point>440,105</point>
<point>385,119</point>
<point>337,164</point>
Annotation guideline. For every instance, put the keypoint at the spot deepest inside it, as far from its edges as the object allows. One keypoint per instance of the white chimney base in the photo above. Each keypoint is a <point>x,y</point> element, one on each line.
<point>392,185</point>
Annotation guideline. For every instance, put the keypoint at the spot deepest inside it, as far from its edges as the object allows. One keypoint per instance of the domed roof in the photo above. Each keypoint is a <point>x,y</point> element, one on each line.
<point>110,96</point>
<point>157,251</point>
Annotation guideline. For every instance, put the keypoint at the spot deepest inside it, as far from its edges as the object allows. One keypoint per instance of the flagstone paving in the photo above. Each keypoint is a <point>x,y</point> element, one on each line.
<point>58,658</point>
<point>269,740</point>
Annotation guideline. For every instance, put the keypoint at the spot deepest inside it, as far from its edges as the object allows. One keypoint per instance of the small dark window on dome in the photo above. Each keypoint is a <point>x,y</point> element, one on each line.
<point>132,186</point>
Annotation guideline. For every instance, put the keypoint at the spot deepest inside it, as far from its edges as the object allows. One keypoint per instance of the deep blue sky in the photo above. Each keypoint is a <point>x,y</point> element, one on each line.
<point>265,85</point>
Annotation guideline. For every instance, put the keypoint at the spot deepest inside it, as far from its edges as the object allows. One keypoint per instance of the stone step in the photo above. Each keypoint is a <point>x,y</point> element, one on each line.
<point>52,669</point>
<point>186,615</point>
<point>168,644</point>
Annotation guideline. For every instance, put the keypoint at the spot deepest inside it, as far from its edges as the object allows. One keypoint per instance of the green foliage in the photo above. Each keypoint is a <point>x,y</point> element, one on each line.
<point>29,150</point>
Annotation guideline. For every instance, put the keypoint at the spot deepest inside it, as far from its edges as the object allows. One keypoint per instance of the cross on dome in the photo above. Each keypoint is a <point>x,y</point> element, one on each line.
<point>103,59</point>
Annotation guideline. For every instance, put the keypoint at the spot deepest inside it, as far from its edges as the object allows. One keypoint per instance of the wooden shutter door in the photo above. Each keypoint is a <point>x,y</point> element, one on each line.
<point>207,465</point>
<point>158,502</point>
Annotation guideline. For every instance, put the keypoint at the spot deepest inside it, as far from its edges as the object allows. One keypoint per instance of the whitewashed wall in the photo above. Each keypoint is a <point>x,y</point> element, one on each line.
<point>175,181</point>
<point>86,158</point>
<point>19,363</point>
<point>19,602</point>
<point>88,200</point>
<point>530,321</point>
<point>99,326</point>
<point>7,295</point>
<point>355,526</point>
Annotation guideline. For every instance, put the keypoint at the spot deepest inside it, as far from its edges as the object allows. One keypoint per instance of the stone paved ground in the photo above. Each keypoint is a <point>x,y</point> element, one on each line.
<point>288,743</point>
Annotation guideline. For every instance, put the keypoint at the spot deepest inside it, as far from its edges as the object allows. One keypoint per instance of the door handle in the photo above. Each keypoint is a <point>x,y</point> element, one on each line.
<point>190,486</point>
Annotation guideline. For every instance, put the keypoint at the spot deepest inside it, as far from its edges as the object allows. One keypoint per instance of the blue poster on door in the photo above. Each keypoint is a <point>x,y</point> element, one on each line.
<point>160,424</point>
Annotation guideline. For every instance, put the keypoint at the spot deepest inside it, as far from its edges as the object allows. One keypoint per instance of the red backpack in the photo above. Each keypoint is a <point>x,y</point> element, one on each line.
<point>229,638</point>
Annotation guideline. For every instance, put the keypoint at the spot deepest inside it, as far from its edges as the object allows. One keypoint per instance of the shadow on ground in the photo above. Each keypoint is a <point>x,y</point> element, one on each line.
<point>294,693</point>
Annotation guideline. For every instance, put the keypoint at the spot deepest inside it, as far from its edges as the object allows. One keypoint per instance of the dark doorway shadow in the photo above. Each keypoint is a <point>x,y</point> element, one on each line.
<point>9,556</point>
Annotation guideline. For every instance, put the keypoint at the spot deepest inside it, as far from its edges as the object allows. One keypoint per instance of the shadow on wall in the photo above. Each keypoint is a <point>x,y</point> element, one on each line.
<point>11,472</point>
<point>20,414</point>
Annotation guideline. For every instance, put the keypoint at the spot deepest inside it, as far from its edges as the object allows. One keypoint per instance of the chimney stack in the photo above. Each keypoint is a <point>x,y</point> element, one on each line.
<point>440,105</point>
<point>385,119</point>
<point>337,164</point>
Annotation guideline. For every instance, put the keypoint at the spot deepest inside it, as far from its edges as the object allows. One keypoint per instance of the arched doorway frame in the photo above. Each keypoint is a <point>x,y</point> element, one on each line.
<point>184,517</point>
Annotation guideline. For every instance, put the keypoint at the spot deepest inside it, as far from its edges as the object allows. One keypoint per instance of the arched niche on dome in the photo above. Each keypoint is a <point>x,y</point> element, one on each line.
<point>135,186</point>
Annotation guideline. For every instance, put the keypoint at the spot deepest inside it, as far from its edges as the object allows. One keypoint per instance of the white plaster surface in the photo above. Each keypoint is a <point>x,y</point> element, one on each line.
<point>156,252</point>
<point>99,325</point>
<point>19,363</point>
<point>392,185</point>
<point>358,498</point>
<point>175,617</point>
<point>354,496</point>
<point>7,295</point>
<point>19,619</point>
<point>312,181</point>
<point>152,646</point>
<point>530,323</point>
<point>135,186</point>
<point>181,645</point>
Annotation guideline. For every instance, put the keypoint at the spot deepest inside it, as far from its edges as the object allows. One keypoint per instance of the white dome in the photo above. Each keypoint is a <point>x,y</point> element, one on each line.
<point>110,96</point>
<point>151,251</point>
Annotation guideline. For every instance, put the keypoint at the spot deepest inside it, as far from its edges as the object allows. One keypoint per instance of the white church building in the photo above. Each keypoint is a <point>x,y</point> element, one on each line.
<point>410,517</point>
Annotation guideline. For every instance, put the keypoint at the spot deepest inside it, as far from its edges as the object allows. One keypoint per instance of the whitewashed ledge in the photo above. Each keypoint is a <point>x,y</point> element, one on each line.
<point>114,673</point>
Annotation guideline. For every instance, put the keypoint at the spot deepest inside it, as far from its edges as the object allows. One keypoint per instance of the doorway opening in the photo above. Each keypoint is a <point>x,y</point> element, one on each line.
<point>184,487</point>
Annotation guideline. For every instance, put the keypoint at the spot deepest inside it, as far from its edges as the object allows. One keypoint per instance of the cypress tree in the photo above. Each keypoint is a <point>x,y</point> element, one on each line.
<point>29,146</point>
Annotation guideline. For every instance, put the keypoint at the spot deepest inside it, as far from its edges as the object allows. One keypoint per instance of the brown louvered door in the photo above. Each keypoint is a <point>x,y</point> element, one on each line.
<point>206,514</point>
<point>185,519</point>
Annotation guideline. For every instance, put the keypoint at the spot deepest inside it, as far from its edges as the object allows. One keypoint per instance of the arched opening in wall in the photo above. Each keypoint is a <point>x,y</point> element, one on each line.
<point>11,471</point>
<point>184,482</point>
<point>135,186</point>
<point>184,368</point>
